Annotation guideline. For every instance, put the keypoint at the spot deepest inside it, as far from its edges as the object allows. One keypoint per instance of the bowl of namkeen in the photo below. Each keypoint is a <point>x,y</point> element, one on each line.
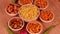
<point>15,24</point>
<point>46,16</point>
<point>42,4</point>
<point>28,12</point>
<point>34,27</point>
<point>12,9</point>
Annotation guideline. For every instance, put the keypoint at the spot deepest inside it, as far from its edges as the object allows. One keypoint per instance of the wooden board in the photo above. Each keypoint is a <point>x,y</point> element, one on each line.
<point>54,5</point>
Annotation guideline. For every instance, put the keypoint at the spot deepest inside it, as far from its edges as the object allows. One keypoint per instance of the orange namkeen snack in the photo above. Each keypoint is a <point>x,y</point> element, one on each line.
<point>16,23</point>
<point>23,2</point>
<point>12,8</point>
<point>41,3</point>
<point>34,27</point>
<point>46,15</point>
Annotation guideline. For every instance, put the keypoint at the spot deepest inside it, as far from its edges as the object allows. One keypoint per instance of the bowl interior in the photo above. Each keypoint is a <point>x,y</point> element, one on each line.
<point>48,20</point>
<point>30,19</point>
<point>13,28</point>
<point>37,32</point>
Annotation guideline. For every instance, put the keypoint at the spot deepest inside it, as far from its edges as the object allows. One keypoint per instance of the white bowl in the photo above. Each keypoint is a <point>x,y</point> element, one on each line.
<point>9,13</point>
<point>31,19</point>
<point>45,7</point>
<point>37,32</point>
<point>49,20</point>
<point>13,28</point>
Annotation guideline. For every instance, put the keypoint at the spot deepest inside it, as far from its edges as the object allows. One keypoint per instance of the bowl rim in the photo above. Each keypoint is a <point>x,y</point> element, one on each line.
<point>49,20</point>
<point>37,32</point>
<point>42,8</point>
<point>31,19</point>
<point>13,28</point>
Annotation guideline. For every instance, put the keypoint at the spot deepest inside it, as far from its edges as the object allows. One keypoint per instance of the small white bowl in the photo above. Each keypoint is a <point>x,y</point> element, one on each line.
<point>24,4</point>
<point>31,19</point>
<point>37,32</point>
<point>13,28</point>
<point>49,20</point>
<point>9,13</point>
<point>45,7</point>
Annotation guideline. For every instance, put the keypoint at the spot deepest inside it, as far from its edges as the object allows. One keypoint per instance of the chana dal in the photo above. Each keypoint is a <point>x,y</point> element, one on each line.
<point>29,12</point>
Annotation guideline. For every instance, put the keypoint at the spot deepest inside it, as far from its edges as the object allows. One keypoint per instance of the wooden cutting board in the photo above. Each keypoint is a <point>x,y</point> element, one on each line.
<point>54,5</point>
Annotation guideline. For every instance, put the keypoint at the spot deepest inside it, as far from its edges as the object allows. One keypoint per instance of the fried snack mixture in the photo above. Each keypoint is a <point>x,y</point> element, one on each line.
<point>34,27</point>
<point>46,15</point>
<point>16,23</point>
<point>12,9</point>
<point>41,3</point>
